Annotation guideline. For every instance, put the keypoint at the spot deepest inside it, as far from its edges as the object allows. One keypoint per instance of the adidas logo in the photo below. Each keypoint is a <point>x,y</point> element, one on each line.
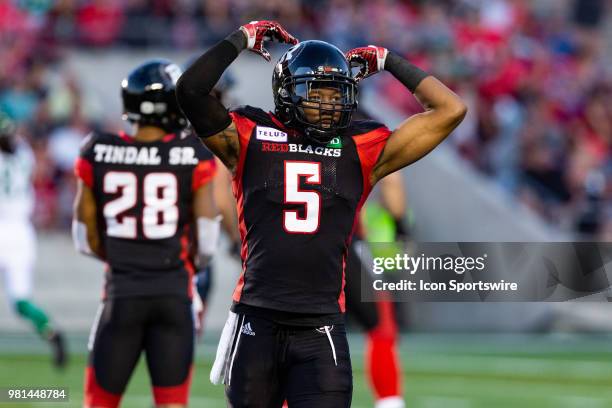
<point>246,329</point>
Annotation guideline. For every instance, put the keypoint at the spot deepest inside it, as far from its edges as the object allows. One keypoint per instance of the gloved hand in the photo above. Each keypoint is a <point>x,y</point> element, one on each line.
<point>257,32</point>
<point>370,59</point>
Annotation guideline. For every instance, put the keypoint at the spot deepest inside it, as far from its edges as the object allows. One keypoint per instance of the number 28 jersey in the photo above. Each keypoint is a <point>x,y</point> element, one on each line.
<point>297,209</point>
<point>144,200</point>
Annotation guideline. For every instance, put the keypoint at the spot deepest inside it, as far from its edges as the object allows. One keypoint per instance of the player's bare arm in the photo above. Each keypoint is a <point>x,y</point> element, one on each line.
<point>85,226</point>
<point>210,119</point>
<point>393,195</point>
<point>203,202</point>
<point>421,133</point>
<point>207,220</point>
<point>225,201</point>
<point>225,146</point>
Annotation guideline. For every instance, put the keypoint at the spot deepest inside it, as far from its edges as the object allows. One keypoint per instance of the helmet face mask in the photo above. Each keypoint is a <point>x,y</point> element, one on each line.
<point>314,90</point>
<point>149,99</point>
<point>324,104</point>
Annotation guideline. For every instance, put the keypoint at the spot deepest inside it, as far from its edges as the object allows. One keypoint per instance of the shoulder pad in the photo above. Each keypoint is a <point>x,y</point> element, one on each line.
<point>88,142</point>
<point>96,137</point>
<point>359,127</point>
<point>257,115</point>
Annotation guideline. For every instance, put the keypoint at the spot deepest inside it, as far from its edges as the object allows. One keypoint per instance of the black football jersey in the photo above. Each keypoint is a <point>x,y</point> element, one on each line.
<point>144,201</point>
<point>297,209</point>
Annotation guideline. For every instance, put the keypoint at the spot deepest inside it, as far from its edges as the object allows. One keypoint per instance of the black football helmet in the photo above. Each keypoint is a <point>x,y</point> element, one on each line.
<point>149,98</point>
<point>300,72</point>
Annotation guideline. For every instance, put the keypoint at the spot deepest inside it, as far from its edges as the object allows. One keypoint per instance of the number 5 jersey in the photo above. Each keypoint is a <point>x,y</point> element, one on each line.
<point>297,207</point>
<point>144,200</point>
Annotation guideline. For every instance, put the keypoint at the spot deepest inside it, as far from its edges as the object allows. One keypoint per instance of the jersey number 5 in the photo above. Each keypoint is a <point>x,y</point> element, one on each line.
<point>292,222</point>
<point>159,215</point>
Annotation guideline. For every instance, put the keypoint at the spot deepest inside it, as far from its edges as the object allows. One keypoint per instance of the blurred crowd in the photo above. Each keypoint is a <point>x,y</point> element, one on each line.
<point>534,74</point>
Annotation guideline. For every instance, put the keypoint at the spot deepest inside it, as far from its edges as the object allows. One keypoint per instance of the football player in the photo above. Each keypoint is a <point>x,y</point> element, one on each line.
<point>17,236</point>
<point>300,176</point>
<point>378,319</point>
<point>141,200</point>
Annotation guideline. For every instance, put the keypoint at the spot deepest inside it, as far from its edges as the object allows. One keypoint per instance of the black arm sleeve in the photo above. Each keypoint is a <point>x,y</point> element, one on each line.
<point>409,75</point>
<point>207,115</point>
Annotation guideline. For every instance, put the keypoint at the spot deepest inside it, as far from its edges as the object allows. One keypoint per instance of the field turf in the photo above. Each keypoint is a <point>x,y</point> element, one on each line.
<point>440,370</point>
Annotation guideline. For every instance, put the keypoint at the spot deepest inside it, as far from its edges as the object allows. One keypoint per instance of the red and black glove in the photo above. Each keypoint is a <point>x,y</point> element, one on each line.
<point>257,32</point>
<point>370,60</point>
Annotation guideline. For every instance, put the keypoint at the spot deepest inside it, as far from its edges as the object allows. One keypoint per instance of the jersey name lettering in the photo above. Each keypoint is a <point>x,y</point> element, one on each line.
<point>143,156</point>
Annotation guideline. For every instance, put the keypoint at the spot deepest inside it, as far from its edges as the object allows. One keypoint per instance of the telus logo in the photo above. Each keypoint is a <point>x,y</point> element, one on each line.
<point>271,134</point>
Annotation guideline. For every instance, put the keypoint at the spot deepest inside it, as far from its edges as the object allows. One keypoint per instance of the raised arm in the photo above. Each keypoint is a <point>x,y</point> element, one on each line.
<point>420,133</point>
<point>210,119</point>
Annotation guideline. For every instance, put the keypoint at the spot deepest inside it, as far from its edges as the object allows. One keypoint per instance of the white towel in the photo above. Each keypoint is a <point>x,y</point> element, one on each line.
<point>217,373</point>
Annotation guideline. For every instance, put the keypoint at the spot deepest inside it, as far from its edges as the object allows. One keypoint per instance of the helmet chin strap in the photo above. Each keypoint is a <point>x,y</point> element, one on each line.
<point>311,132</point>
<point>292,115</point>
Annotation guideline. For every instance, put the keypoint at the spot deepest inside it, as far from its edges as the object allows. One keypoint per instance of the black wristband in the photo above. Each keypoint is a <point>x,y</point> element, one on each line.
<point>238,40</point>
<point>408,74</point>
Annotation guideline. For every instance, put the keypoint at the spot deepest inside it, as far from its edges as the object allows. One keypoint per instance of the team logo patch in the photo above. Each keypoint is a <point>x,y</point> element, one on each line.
<point>270,134</point>
<point>335,143</point>
<point>246,329</point>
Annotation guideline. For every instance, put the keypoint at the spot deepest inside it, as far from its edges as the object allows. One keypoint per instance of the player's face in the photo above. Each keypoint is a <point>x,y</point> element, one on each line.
<point>320,105</point>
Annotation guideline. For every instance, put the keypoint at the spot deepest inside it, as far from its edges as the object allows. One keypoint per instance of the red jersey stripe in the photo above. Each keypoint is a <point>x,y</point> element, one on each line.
<point>369,148</point>
<point>245,129</point>
<point>187,260</point>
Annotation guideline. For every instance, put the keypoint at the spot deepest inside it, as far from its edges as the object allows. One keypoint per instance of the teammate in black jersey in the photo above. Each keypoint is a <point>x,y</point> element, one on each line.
<point>300,176</point>
<point>141,201</point>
